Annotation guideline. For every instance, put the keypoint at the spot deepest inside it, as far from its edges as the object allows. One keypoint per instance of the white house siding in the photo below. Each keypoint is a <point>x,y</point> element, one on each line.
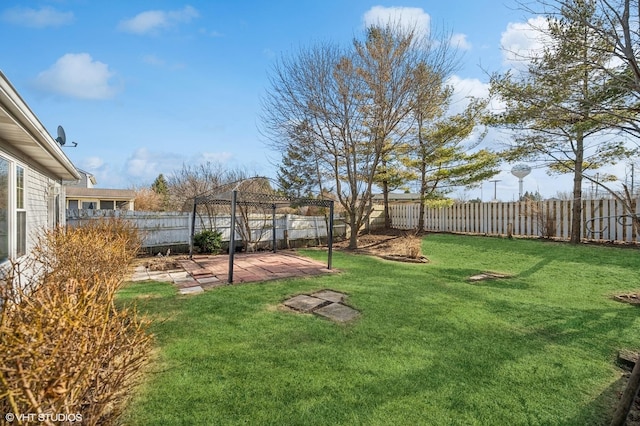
<point>41,194</point>
<point>39,191</point>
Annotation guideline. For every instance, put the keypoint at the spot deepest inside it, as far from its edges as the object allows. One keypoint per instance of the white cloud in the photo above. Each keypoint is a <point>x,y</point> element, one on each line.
<point>213,157</point>
<point>459,41</point>
<point>77,75</point>
<point>37,18</point>
<point>144,165</point>
<point>100,170</point>
<point>152,21</point>
<point>407,17</point>
<point>92,163</point>
<point>523,40</point>
<point>463,88</point>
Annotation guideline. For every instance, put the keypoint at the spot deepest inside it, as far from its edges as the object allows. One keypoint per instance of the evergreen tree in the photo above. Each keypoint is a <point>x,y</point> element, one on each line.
<point>296,172</point>
<point>161,188</point>
<point>555,108</point>
<point>440,153</point>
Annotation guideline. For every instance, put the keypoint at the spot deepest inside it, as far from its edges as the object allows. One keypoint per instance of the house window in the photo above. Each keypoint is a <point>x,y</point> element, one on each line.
<point>73,204</point>
<point>21,214</point>
<point>107,204</point>
<point>122,205</point>
<point>88,205</point>
<point>13,210</point>
<point>4,209</point>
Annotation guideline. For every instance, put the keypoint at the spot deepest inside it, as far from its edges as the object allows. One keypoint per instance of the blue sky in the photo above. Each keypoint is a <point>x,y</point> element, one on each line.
<point>145,86</point>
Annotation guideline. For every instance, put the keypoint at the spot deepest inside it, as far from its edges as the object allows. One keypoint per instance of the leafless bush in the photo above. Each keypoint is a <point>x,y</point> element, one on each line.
<point>409,245</point>
<point>101,247</point>
<point>147,200</point>
<point>543,218</point>
<point>413,246</point>
<point>65,349</point>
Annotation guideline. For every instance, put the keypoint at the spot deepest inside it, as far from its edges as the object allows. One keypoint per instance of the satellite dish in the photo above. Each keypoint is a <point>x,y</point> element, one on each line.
<point>520,170</point>
<point>62,137</point>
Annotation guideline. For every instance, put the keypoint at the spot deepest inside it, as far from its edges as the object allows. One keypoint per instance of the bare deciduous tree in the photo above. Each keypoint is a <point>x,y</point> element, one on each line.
<point>354,105</point>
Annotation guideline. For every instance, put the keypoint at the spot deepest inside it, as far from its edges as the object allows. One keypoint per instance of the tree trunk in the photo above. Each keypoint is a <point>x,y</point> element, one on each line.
<point>423,191</point>
<point>576,210</point>
<point>385,195</point>
<point>353,238</point>
<point>421,215</point>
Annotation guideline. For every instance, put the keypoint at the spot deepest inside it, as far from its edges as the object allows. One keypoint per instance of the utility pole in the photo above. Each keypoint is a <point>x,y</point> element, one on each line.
<point>632,165</point>
<point>495,188</point>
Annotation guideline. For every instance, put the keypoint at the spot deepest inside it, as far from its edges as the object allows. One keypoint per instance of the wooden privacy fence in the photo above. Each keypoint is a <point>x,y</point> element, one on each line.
<point>163,229</point>
<point>604,220</point>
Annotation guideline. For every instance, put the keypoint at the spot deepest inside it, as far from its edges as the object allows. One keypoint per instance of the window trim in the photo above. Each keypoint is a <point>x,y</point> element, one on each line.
<point>16,249</point>
<point>20,234</point>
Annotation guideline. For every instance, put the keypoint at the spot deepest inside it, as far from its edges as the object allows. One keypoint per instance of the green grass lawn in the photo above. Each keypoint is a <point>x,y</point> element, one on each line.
<point>429,347</point>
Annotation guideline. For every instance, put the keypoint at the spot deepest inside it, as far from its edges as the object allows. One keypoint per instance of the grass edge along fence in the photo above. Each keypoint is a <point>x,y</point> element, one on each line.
<point>602,220</point>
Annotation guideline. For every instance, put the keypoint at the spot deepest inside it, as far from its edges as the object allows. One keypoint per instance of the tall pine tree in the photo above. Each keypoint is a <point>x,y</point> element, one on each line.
<point>554,108</point>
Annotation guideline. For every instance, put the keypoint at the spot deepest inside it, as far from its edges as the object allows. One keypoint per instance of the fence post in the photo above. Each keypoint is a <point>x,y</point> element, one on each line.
<point>286,231</point>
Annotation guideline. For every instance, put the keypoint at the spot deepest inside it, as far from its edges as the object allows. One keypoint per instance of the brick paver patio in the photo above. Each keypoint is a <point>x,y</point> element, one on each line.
<point>204,272</point>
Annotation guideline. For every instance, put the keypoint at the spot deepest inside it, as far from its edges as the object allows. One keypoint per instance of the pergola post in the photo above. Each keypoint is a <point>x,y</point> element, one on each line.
<point>273,227</point>
<point>193,227</point>
<point>232,234</point>
<point>330,236</point>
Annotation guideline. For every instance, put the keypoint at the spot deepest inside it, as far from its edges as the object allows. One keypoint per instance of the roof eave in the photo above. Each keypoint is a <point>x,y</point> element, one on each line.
<point>55,159</point>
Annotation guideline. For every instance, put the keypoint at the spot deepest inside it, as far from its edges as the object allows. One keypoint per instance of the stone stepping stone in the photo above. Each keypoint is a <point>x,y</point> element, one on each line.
<point>160,277</point>
<point>488,276</point>
<point>208,280</point>
<point>326,303</point>
<point>191,290</point>
<point>330,295</point>
<point>337,312</point>
<point>139,276</point>
<point>180,276</point>
<point>305,303</point>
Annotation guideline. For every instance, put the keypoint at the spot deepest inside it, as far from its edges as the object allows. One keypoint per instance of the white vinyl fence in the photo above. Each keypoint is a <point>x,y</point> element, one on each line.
<point>162,229</point>
<point>604,220</point>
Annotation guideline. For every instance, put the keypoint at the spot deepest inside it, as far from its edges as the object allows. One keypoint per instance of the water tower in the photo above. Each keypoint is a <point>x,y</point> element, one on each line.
<point>520,171</point>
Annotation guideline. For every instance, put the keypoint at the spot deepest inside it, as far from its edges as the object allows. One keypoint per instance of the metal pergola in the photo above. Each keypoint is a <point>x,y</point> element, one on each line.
<point>235,197</point>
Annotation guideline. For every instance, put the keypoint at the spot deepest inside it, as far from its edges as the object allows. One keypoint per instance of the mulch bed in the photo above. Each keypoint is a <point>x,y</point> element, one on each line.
<point>390,245</point>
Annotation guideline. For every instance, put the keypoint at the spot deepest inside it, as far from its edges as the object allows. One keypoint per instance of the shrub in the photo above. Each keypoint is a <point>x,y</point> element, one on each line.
<point>208,241</point>
<point>413,246</point>
<point>65,349</point>
<point>101,247</point>
<point>409,245</point>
